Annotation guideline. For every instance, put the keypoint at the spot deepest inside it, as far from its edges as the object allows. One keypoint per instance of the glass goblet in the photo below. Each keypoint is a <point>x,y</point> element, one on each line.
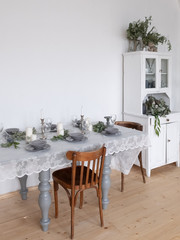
<point>113,118</point>
<point>48,123</point>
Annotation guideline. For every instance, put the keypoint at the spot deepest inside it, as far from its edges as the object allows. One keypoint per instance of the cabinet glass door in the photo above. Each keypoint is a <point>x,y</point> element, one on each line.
<point>150,73</point>
<point>164,73</point>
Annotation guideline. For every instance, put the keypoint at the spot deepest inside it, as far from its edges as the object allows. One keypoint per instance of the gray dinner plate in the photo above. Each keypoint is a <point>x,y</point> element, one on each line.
<point>76,136</point>
<point>12,131</point>
<point>29,148</point>
<point>111,130</point>
<point>111,134</point>
<point>69,139</point>
<point>38,144</point>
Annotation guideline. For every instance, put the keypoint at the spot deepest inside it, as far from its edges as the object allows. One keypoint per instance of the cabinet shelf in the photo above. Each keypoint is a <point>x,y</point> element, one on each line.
<point>150,74</point>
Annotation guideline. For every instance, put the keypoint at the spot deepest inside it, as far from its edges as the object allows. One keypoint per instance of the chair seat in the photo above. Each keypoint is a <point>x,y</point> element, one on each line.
<point>64,177</point>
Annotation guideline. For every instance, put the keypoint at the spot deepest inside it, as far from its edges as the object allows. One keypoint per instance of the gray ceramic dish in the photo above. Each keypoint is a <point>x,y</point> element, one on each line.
<point>12,131</point>
<point>69,139</point>
<point>76,136</point>
<point>29,148</point>
<point>111,130</point>
<point>38,144</point>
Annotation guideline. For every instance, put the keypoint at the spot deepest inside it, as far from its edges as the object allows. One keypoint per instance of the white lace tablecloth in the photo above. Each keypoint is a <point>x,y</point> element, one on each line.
<point>124,149</point>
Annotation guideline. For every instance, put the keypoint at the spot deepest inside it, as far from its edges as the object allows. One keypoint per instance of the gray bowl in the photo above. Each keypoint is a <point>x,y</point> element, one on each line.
<point>76,136</point>
<point>111,130</point>
<point>38,144</point>
<point>12,131</point>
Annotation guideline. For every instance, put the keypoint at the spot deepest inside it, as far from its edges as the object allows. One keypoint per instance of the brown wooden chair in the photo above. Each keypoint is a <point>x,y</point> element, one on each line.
<point>139,127</point>
<point>86,172</point>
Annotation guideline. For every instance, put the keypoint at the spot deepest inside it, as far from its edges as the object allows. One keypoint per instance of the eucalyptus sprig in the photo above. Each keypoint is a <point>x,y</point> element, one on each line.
<point>99,127</point>
<point>18,136</point>
<point>61,137</point>
<point>156,108</point>
<point>34,131</point>
<point>9,144</point>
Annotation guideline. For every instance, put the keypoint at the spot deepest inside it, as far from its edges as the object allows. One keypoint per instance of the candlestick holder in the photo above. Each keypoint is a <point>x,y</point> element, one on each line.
<point>43,129</point>
<point>82,124</point>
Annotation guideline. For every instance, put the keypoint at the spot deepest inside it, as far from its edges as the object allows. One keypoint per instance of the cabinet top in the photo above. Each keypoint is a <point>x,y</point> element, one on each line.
<point>147,53</point>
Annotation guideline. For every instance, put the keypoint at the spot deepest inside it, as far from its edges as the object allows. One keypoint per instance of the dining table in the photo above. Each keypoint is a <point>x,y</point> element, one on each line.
<point>122,150</point>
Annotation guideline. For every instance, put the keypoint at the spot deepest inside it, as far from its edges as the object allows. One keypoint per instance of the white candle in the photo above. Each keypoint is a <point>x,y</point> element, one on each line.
<point>81,110</point>
<point>28,134</point>
<point>33,137</point>
<point>42,114</point>
<point>59,126</point>
<point>90,127</point>
<point>62,132</point>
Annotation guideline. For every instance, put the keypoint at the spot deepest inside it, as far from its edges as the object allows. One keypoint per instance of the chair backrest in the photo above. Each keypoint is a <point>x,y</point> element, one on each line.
<point>132,125</point>
<point>87,167</point>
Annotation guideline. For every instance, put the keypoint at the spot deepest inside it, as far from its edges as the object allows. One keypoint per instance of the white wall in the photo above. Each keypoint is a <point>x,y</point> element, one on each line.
<point>61,54</point>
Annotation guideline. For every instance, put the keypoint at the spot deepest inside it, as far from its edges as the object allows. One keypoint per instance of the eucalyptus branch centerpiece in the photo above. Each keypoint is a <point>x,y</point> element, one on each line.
<point>143,34</point>
<point>13,140</point>
<point>99,127</point>
<point>61,137</point>
<point>156,108</point>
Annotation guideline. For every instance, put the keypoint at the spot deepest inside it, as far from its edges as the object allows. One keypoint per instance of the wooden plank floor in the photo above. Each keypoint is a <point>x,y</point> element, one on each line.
<point>148,211</point>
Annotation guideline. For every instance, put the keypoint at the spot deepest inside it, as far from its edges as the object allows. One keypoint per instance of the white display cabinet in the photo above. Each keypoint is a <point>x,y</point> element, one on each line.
<point>149,73</point>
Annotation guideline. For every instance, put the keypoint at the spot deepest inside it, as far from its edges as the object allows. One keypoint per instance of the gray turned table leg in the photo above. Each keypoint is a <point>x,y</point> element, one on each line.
<point>44,198</point>
<point>24,189</point>
<point>106,183</point>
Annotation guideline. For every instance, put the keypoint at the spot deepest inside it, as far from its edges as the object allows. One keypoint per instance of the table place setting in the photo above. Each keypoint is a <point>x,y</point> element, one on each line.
<point>37,145</point>
<point>108,128</point>
<point>12,136</point>
<point>76,137</point>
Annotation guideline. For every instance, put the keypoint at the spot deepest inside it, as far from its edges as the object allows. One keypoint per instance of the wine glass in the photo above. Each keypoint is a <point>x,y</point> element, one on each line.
<point>1,130</point>
<point>113,118</point>
<point>1,127</point>
<point>48,123</point>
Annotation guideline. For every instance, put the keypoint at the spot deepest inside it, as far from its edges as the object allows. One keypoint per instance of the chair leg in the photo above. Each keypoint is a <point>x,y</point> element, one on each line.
<point>72,217</point>
<point>122,182</point>
<point>56,187</point>
<point>81,200</point>
<point>140,161</point>
<point>100,208</point>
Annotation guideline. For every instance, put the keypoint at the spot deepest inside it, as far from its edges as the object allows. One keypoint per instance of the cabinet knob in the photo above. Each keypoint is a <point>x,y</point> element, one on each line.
<point>160,70</point>
<point>167,119</point>
<point>169,140</point>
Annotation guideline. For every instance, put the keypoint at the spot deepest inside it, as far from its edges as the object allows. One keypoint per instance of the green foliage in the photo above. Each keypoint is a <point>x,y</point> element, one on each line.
<point>142,30</point>
<point>139,29</point>
<point>34,131</point>
<point>18,136</point>
<point>99,127</point>
<point>9,144</point>
<point>156,108</point>
<point>61,137</point>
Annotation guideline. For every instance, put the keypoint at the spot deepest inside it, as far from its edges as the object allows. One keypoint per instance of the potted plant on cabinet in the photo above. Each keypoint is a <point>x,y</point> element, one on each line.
<point>141,34</point>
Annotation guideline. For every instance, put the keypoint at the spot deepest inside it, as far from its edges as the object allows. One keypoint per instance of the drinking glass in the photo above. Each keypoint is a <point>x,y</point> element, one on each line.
<point>113,118</point>
<point>1,127</point>
<point>48,123</point>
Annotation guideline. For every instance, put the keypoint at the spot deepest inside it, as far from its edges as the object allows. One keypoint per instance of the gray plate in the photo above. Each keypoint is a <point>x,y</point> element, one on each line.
<point>76,136</point>
<point>12,131</point>
<point>69,139</point>
<point>111,134</point>
<point>111,130</point>
<point>29,148</point>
